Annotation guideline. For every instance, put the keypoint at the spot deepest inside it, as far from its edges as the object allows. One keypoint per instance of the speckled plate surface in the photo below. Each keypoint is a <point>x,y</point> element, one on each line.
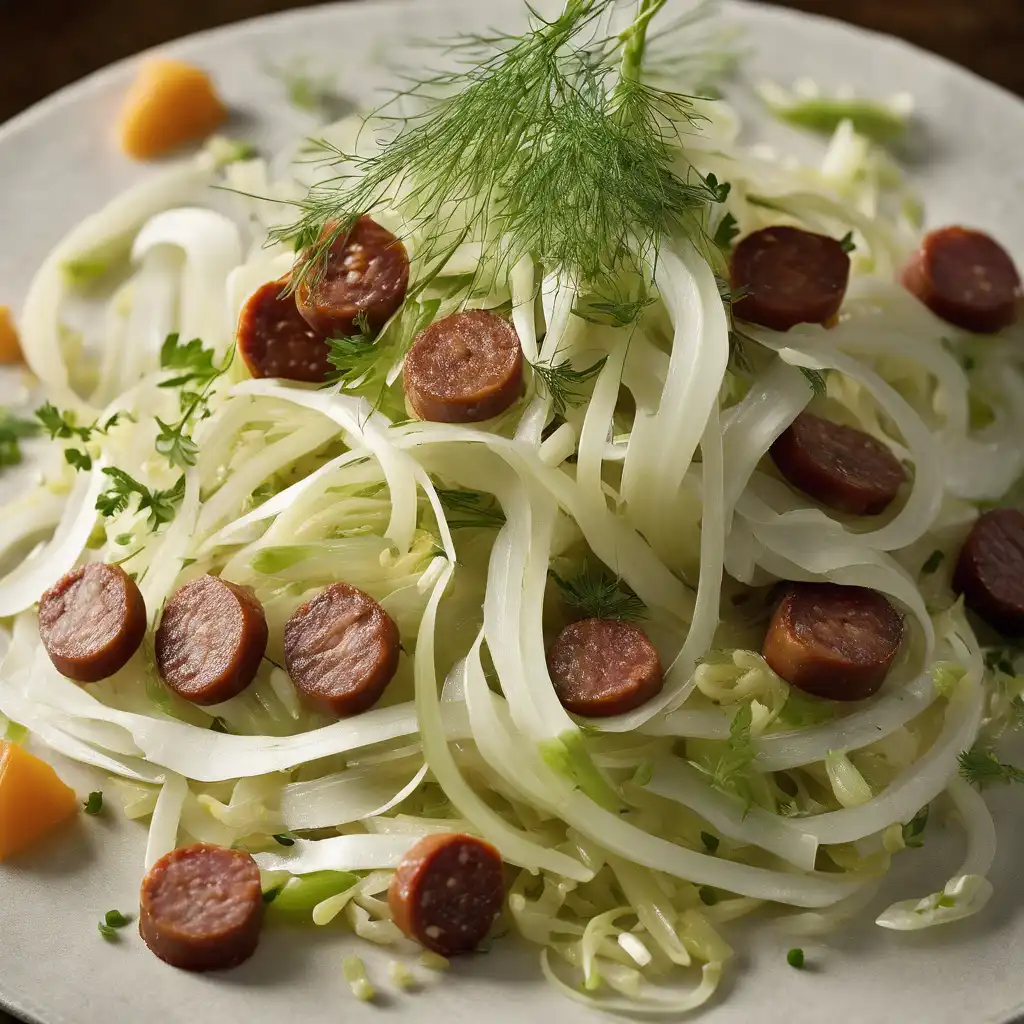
<point>58,163</point>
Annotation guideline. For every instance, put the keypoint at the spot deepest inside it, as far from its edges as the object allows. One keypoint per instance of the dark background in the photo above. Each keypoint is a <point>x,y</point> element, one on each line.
<point>46,44</point>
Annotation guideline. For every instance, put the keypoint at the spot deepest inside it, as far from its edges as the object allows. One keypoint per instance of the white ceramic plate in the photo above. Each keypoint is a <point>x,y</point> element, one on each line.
<point>57,164</point>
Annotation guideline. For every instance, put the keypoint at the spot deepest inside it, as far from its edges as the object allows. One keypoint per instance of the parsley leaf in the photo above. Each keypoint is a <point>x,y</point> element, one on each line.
<point>62,426</point>
<point>161,505</point>
<point>726,232</point>
<point>599,595</point>
<point>94,804</point>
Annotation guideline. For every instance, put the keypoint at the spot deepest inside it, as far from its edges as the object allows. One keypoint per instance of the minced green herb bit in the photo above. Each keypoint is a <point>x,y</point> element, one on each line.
<point>94,804</point>
<point>112,921</point>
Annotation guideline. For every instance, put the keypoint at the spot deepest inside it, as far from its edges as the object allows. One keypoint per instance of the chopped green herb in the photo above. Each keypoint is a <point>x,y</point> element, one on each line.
<point>933,562</point>
<point>562,383</point>
<point>795,958</point>
<point>115,919</point>
<point>726,232</point>
<point>110,934</point>
<point>470,509</point>
<point>271,894</point>
<point>161,505</point>
<point>599,595</point>
<point>284,839</point>
<point>913,831</point>
<point>710,842</point>
<point>816,379</point>
<point>847,243</point>
<point>12,430</point>
<point>197,375</point>
<point>94,804</point>
<point>980,766</point>
<point>77,458</point>
<point>708,895</point>
<point>123,539</point>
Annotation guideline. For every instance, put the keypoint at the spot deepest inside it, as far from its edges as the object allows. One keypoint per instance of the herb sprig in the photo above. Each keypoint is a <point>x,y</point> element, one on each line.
<point>550,142</point>
<point>562,382</point>
<point>62,426</point>
<point>465,509</point>
<point>599,595</point>
<point>980,766</point>
<point>198,372</point>
<point>161,505</point>
<point>731,773</point>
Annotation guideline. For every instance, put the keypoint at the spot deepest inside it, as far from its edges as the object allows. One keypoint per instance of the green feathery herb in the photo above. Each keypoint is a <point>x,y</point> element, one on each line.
<point>980,767</point>
<point>816,380</point>
<point>562,383</point>
<point>197,376</point>
<point>599,595</point>
<point>465,509</point>
<point>549,143</point>
<point>12,430</point>
<point>731,773</point>
<point>161,505</point>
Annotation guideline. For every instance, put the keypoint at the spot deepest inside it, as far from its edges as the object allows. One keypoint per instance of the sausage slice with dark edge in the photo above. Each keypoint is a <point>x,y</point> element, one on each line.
<point>366,271</point>
<point>990,570</point>
<point>967,278</point>
<point>211,640</point>
<point>91,621</point>
<point>274,340</point>
<point>788,276</point>
<point>465,368</point>
<point>341,650</point>
<point>201,908</point>
<point>604,667</point>
<point>842,467</point>
<point>447,892</point>
<point>833,641</point>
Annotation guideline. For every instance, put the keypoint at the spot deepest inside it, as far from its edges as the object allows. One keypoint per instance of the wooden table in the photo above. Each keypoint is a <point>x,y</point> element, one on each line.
<point>49,43</point>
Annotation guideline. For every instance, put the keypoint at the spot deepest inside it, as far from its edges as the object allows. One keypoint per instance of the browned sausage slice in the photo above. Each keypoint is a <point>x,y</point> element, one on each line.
<point>275,341</point>
<point>833,641</point>
<point>465,368</point>
<point>201,908</point>
<point>842,467</point>
<point>789,277</point>
<point>91,621</point>
<point>967,278</point>
<point>366,271</point>
<point>211,640</point>
<point>990,570</point>
<point>604,667</point>
<point>341,650</point>
<point>447,892</point>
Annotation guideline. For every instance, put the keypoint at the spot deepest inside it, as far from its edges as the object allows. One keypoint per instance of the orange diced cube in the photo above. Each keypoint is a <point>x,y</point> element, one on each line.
<point>33,800</point>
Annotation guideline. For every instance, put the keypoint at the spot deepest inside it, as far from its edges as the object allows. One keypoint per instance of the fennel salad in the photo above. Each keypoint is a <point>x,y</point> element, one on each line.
<point>529,509</point>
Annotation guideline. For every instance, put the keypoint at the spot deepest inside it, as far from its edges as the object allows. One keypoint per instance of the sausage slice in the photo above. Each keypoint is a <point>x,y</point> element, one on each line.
<point>789,276</point>
<point>990,570</point>
<point>341,650</point>
<point>91,621</point>
<point>842,467</point>
<point>211,640</point>
<point>201,908</point>
<point>465,368</point>
<point>366,271</point>
<point>274,340</point>
<point>833,641</point>
<point>604,667</point>
<point>967,278</point>
<point>447,892</point>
